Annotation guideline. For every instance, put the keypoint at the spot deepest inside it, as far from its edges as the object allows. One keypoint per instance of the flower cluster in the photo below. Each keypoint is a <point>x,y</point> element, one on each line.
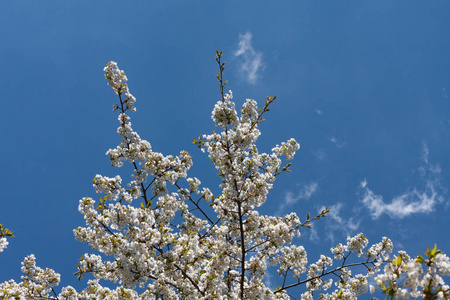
<point>4,232</point>
<point>3,244</point>
<point>405,277</point>
<point>36,283</point>
<point>117,80</point>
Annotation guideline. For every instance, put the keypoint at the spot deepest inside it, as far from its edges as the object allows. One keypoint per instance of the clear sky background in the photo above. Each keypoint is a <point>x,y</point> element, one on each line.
<point>364,86</point>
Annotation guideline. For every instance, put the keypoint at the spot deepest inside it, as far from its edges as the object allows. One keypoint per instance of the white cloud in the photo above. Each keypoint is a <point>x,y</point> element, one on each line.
<point>336,223</point>
<point>268,280</point>
<point>339,144</point>
<point>414,200</point>
<point>313,236</point>
<point>320,155</point>
<point>251,60</point>
<point>347,224</point>
<point>426,152</point>
<point>319,112</point>
<point>408,203</point>
<point>305,193</point>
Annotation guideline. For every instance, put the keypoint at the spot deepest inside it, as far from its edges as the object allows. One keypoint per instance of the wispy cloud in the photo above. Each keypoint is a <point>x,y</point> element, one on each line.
<point>305,192</point>
<point>320,155</point>
<point>339,144</point>
<point>319,112</point>
<point>335,223</point>
<point>251,60</point>
<point>268,279</point>
<point>313,236</point>
<point>425,153</point>
<point>414,200</point>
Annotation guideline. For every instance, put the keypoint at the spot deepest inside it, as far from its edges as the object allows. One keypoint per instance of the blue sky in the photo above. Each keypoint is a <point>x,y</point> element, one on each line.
<point>364,86</point>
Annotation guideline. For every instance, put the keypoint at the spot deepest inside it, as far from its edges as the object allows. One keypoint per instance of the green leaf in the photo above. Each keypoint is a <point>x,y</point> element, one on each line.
<point>398,261</point>
<point>433,251</point>
<point>419,259</point>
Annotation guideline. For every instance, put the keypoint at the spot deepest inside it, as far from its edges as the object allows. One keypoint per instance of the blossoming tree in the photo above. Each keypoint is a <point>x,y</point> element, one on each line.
<point>163,236</point>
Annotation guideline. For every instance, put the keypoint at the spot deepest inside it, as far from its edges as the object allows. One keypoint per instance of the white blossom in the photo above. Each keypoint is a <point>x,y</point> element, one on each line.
<point>3,243</point>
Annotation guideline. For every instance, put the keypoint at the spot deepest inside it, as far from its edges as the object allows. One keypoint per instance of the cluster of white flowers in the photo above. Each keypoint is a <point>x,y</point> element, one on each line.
<point>36,283</point>
<point>4,232</point>
<point>404,277</point>
<point>3,243</point>
<point>315,272</point>
<point>117,80</point>
<point>292,259</point>
<point>287,149</point>
<point>441,264</point>
<point>224,113</point>
<point>381,249</point>
<point>348,286</point>
<point>110,186</point>
<point>183,242</point>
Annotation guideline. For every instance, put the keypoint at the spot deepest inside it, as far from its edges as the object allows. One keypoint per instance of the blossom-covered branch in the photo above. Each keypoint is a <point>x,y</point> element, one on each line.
<point>4,232</point>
